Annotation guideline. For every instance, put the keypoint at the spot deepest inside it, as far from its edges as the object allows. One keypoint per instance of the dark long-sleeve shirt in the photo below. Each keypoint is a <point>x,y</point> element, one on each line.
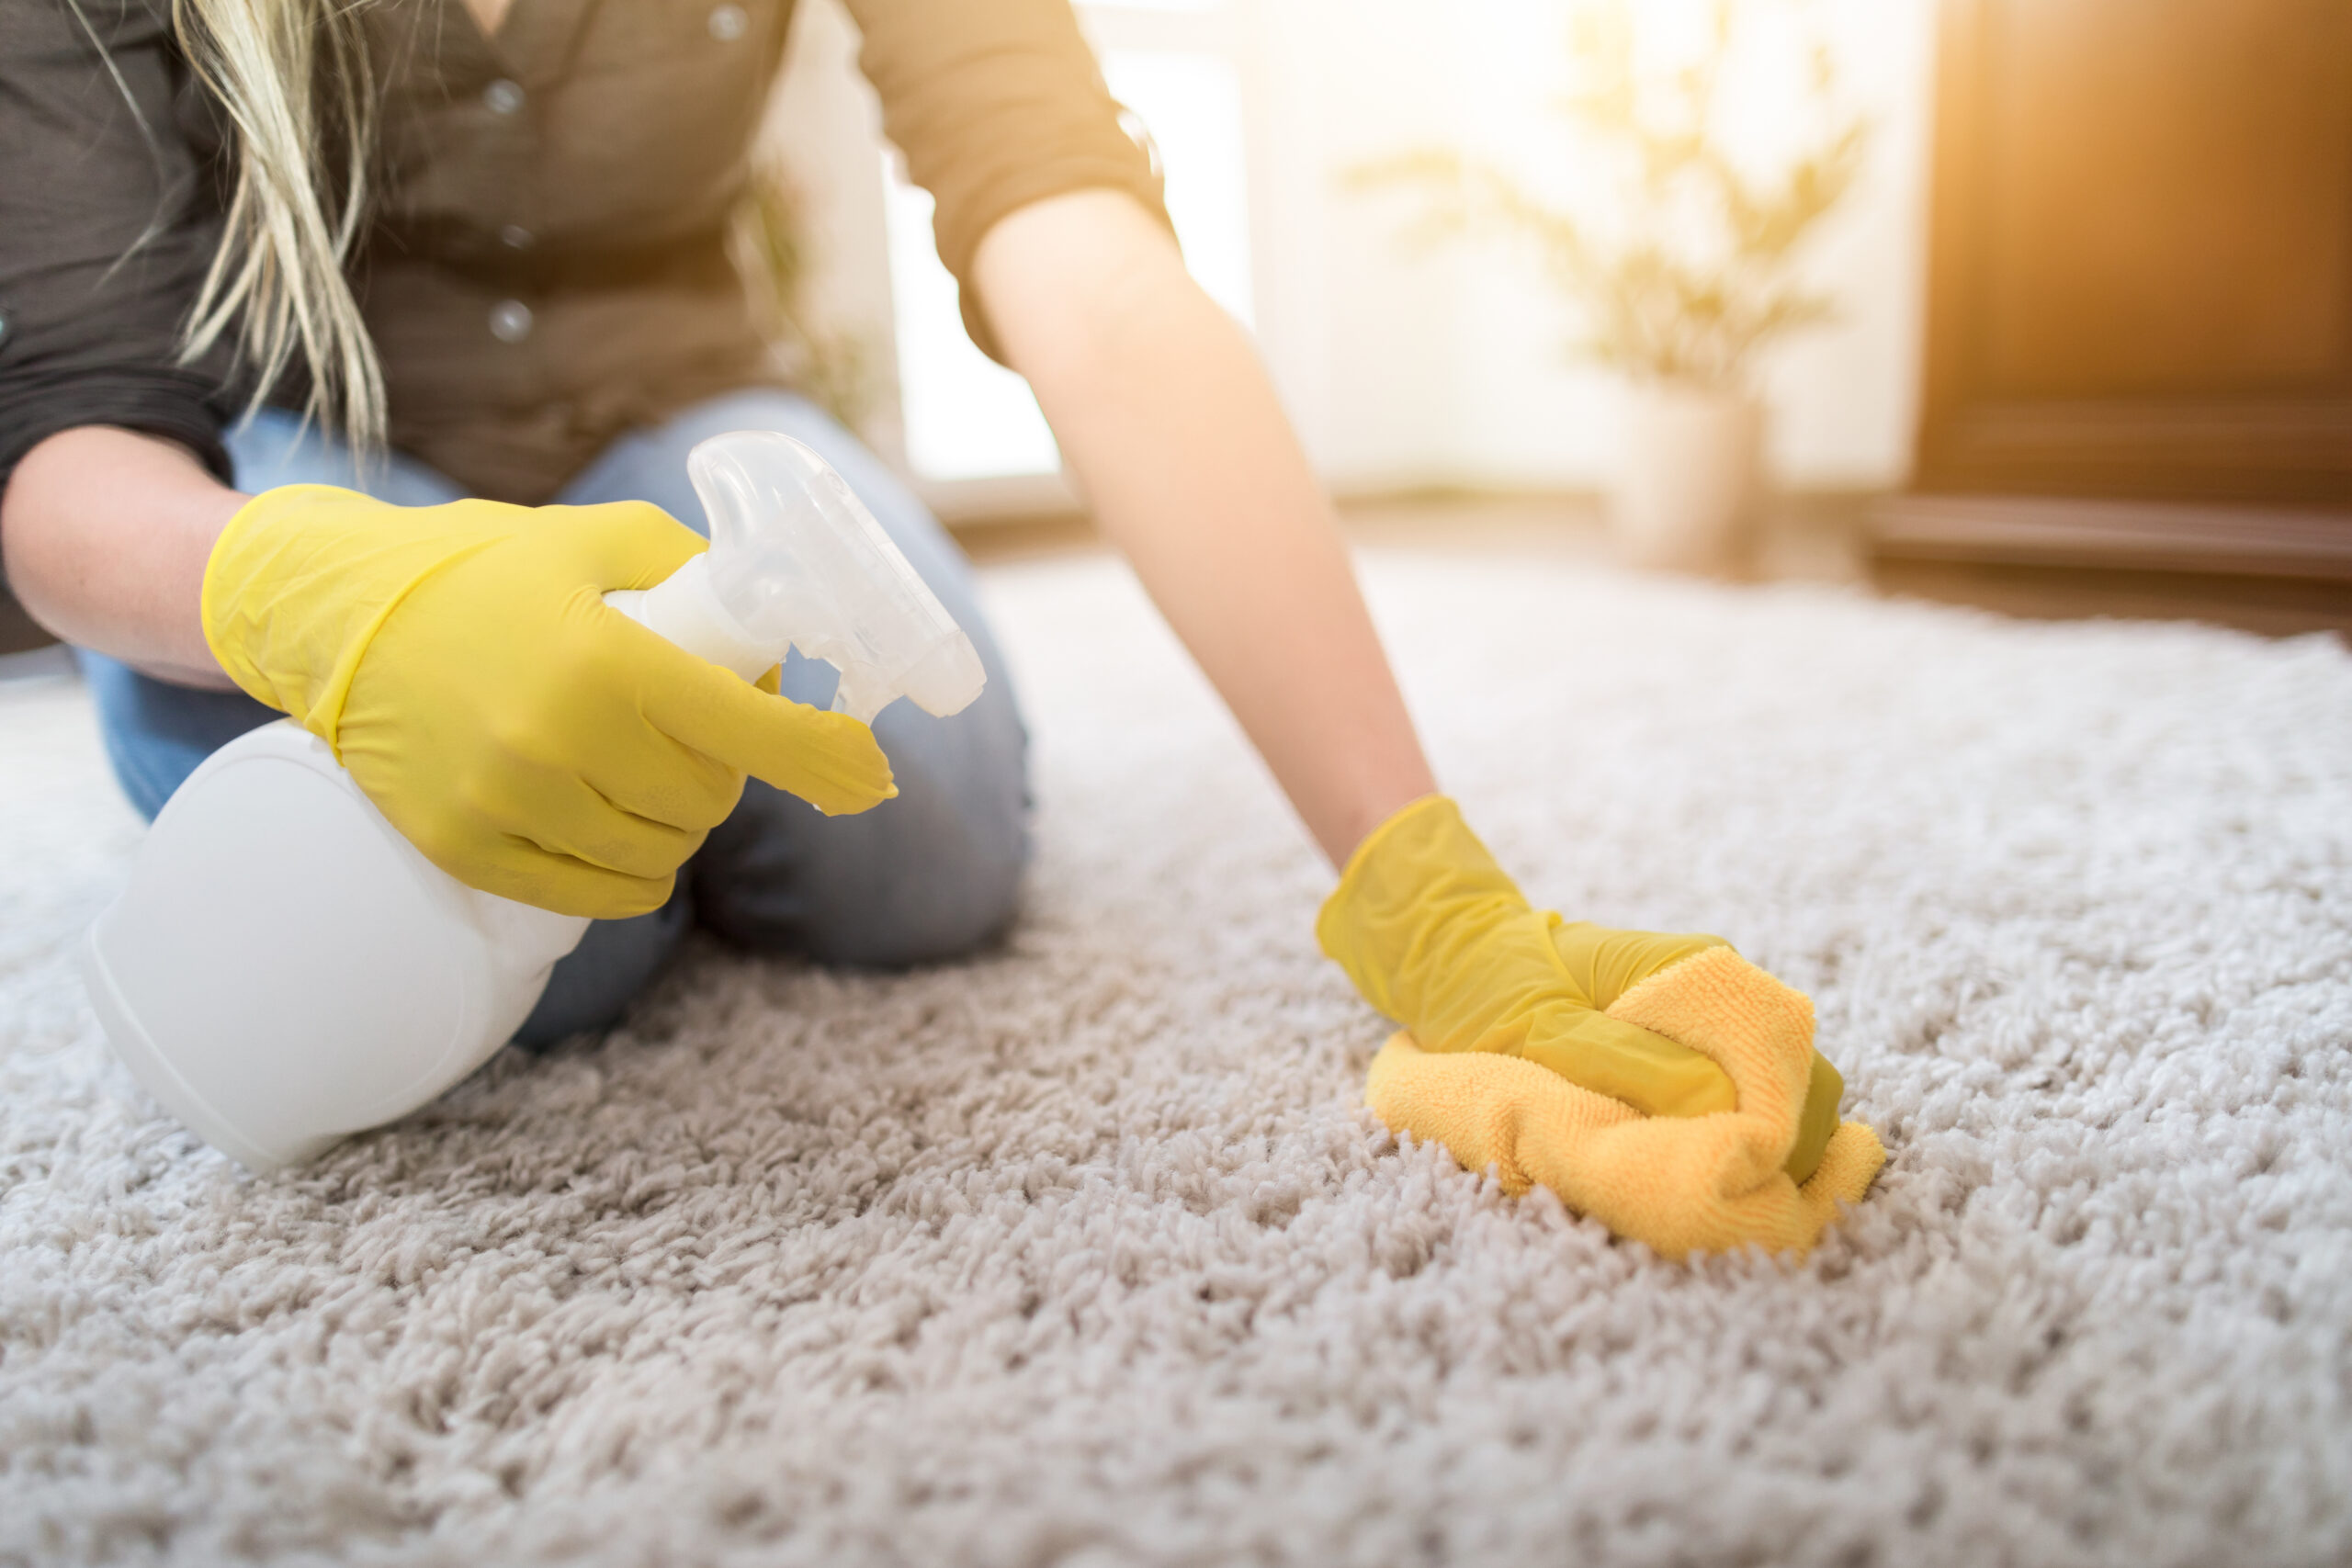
<point>547,263</point>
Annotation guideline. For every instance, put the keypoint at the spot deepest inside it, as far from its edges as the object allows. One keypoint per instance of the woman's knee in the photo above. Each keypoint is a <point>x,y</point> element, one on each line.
<point>594,983</point>
<point>931,875</point>
<point>927,900</point>
<point>956,892</point>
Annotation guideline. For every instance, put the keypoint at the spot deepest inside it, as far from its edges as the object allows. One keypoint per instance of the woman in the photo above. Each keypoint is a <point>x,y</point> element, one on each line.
<point>485,242</point>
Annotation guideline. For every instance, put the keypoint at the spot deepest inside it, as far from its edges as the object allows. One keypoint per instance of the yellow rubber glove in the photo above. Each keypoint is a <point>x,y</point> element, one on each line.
<point>531,740</point>
<point>1533,1009</point>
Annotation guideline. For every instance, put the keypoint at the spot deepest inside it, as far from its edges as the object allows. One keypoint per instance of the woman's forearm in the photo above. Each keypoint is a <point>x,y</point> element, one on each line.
<point>105,534</point>
<point>1174,434</point>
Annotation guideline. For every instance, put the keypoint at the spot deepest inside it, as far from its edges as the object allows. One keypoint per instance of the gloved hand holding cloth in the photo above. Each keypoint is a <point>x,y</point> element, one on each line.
<point>530,740</point>
<point>1662,1085</point>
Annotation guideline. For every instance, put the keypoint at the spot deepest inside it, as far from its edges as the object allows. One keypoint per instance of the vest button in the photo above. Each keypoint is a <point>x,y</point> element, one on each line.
<point>510,320</point>
<point>503,97</point>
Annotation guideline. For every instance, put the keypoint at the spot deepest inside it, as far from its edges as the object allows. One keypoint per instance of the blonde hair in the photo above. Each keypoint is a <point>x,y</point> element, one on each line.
<point>292,76</point>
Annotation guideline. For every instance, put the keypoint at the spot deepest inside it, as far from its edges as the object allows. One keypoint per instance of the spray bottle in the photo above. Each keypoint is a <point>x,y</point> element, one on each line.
<point>285,969</point>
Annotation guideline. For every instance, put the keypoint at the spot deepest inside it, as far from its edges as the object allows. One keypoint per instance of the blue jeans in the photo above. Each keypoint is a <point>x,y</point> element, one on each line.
<point>933,875</point>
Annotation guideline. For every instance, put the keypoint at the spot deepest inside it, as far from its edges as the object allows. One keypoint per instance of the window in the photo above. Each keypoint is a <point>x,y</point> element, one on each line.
<point>1177,65</point>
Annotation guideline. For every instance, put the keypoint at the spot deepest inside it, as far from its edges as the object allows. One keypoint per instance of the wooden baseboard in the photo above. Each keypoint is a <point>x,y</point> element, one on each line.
<point>2246,541</point>
<point>2279,572</point>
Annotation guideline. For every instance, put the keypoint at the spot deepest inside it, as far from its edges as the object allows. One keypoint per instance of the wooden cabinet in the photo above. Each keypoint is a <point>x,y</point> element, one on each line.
<point>2140,296</point>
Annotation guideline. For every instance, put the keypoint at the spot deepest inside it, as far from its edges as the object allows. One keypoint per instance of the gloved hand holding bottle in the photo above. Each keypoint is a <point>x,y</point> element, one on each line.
<point>531,740</point>
<point>1564,1053</point>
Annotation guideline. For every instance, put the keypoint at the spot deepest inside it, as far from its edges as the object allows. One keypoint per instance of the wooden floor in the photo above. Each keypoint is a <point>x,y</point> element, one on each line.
<point>1821,538</point>
<point>1813,538</point>
<point>2271,606</point>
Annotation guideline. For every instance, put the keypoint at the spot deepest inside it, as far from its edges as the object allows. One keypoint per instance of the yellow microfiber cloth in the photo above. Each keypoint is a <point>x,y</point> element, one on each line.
<point>1683,1185</point>
<point>1506,1009</point>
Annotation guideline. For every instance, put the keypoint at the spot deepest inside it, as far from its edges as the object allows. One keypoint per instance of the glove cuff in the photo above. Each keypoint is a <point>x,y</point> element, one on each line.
<point>1334,921</point>
<point>255,628</point>
<point>1410,873</point>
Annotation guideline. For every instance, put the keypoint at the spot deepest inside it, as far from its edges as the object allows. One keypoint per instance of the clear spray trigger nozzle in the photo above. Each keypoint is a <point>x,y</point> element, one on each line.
<point>797,561</point>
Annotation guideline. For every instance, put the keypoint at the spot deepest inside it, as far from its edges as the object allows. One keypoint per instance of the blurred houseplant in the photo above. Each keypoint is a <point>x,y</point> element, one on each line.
<point>1682,256</point>
<point>776,253</point>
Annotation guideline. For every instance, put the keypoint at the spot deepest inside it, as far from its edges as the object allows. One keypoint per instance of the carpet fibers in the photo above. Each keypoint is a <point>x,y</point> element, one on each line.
<point>1085,1253</point>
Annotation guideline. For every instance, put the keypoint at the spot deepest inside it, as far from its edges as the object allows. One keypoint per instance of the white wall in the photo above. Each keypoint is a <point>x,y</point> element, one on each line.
<point>1405,369</point>
<point>1449,367</point>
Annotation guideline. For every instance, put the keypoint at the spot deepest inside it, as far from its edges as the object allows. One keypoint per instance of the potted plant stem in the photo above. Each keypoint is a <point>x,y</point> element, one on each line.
<point>1681,267</point>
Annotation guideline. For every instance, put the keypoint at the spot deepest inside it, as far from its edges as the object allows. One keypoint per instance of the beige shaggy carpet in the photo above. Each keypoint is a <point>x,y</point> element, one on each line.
<point>1085,1254</point>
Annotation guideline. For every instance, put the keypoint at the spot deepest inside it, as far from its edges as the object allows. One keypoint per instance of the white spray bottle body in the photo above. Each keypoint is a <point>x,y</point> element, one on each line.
<point>283,968</point>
